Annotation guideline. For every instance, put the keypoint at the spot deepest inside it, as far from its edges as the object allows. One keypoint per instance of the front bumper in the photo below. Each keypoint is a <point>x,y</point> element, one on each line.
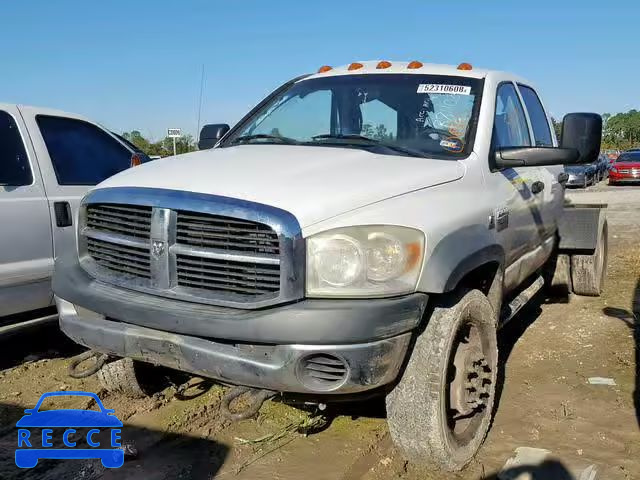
<point>576,180</point>
<point>624,177</point>
<point>313,346</point>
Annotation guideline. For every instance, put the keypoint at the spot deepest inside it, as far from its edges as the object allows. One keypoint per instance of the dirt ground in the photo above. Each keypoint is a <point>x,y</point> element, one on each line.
<point>548,353</point>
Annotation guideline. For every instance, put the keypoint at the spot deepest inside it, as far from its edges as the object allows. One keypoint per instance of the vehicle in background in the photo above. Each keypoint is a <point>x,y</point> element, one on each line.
<point>632,150</point>
<point>602,167</point>
<point>626,168</point>
<point>582,176</point>
<point>139,156</point>
<point>612,154</point>
<point>48,160</point>
<point>364,230</point>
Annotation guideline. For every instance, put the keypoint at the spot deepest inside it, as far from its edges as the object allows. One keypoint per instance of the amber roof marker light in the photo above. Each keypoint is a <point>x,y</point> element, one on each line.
<point>383,64</point>
<point>355,66</point>
<point>415,64</point>
<point>324,68</point>
<point>465,66</point>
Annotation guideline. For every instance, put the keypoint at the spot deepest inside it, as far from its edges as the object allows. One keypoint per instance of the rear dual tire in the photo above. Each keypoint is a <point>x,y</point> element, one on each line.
<point>582,274</point>
<point>589,271</point>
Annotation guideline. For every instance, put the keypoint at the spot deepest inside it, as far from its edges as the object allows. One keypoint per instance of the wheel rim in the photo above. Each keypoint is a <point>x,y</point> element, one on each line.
<point>470,383</point>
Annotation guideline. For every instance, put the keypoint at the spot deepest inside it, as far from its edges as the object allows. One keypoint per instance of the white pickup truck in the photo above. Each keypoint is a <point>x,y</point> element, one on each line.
<point>48,160</point>
<point>364,230</point>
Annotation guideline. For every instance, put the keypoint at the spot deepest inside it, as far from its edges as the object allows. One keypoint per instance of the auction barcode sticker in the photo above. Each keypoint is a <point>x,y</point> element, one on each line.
<point>439,88</point>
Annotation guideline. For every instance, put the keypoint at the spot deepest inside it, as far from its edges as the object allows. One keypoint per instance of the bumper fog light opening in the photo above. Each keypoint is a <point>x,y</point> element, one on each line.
<point>322,372</point>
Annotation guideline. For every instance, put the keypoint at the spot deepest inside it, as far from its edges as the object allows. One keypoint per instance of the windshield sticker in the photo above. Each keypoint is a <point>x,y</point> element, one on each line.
<point>457,128</point>
<point>452,144</point>
<point>427,107</point>
<point>439,88</point>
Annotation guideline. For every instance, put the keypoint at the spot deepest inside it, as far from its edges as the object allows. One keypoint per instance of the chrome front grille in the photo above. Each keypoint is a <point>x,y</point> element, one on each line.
<point>128,260</point>
<point>224,275</point>
<point>231,234</point>
<point>193,247</point>
<point>130,220</point>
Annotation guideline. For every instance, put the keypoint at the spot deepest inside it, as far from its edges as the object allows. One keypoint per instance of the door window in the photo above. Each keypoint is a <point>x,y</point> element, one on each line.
<point>81,153</point>
<point>14,164</point>
<point>510,124</point>
<point>538,118</point>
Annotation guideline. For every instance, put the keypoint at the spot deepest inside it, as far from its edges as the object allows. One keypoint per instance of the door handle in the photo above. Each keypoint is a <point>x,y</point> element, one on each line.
<point>63,214</point>
<point>537,187</point>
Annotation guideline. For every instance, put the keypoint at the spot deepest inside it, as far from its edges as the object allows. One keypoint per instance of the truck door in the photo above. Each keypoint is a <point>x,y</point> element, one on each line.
<point>75,154</point>
<point>549,192</point>
<point>26,251</point>
<point>516,217</point>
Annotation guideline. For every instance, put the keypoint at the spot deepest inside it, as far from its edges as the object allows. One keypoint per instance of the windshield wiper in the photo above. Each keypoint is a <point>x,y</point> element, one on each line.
<point>258,136</point>
<point>370,142</point>
<point>342,136</point>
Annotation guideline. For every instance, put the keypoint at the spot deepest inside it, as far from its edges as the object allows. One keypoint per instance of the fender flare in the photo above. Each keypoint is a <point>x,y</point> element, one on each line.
<point>441,276</point>
<point>484,256</point>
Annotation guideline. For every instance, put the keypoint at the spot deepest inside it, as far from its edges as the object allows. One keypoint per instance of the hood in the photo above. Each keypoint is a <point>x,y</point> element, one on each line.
<point>313,183</point>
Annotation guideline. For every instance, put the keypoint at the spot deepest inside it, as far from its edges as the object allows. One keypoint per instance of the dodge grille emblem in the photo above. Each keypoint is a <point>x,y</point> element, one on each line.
<point>157,248</point>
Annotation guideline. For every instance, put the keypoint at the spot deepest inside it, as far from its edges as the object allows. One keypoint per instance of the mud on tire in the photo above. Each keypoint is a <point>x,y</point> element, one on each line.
<point>419,409</point>
<point>589,271</point>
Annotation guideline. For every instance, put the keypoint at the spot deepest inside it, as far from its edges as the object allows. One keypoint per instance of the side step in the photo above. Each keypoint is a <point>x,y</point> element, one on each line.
<point>509,311</point>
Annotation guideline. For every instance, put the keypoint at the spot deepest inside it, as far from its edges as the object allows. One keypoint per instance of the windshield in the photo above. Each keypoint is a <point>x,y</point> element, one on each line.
<point>402,114</point>
<point>629,157</point>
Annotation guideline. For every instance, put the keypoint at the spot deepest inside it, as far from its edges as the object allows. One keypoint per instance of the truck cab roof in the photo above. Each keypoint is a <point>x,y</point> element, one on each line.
<point>42,111</point>
<point>370,67</point>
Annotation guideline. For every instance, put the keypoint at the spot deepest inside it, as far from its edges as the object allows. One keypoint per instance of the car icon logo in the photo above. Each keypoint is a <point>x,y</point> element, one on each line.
<point>63,423</point>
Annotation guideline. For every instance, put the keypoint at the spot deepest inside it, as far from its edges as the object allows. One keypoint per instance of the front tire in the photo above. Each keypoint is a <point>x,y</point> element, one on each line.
<point>440,411</point>
<point>123,376</point>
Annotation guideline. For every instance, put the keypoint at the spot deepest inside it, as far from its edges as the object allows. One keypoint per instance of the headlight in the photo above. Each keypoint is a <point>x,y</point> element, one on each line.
<point>614,169</point>
<point>364,261</point>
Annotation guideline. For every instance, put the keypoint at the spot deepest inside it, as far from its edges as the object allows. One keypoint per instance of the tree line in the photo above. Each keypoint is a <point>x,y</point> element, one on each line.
<point>619,132</point>
<point>163,147</point>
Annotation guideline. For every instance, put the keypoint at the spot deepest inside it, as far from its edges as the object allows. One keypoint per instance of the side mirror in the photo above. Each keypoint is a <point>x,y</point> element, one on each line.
<point>210,134</point>
<point>582,132</point>
<point>534,156</point>
<point>581,136</point>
